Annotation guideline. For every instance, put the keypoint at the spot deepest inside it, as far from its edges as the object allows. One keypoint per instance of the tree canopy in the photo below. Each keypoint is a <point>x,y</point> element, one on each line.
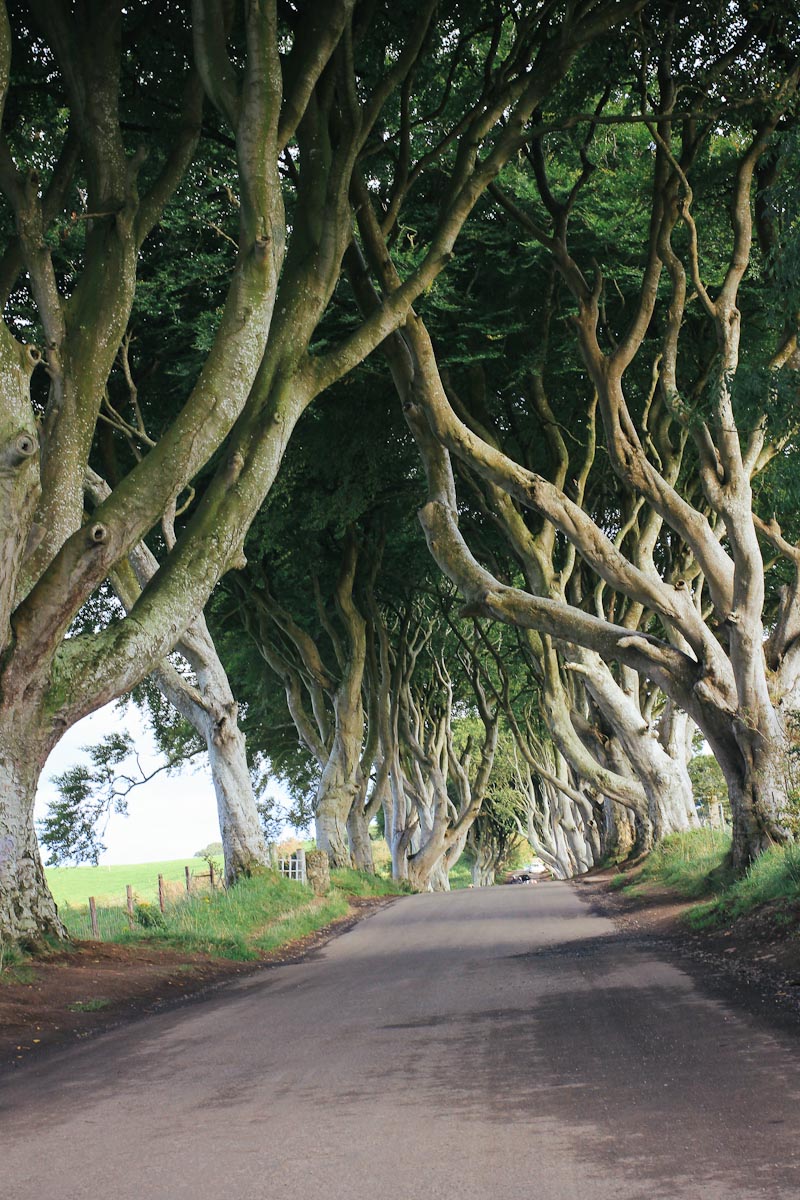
<point>277,275</point>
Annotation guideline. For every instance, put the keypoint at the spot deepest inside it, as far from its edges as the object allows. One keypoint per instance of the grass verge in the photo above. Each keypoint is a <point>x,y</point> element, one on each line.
<point>773,879</point>
<point>360,883</point>
<point>695,866</point>
<point>243,923</point>
<point>460,875</point>
<point>692,864</point>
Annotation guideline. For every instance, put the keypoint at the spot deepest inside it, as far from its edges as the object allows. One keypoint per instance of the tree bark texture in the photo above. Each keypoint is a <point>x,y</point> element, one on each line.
<point>27,910</point>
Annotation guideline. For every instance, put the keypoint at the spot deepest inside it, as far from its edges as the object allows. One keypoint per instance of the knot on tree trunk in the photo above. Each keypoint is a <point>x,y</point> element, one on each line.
<point>261,247</point>
<point>21,448</point>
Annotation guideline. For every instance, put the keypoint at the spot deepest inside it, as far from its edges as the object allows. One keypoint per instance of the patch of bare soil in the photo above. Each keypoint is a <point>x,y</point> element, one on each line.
<point>94,986</point>
<point>760,951</point>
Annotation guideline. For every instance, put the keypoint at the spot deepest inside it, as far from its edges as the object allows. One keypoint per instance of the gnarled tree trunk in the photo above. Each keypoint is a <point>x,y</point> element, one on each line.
<point>664,780</point>
<point>27,909</point>
<point>212,711</point>
<point>210,708</point>
<point>359,839</point>
<point>335,797</point>
<point>484,866</point>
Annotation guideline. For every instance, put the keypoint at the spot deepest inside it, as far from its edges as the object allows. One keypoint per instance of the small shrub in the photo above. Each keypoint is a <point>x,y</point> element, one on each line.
<point>89,1005</point>
<point>148,916</point>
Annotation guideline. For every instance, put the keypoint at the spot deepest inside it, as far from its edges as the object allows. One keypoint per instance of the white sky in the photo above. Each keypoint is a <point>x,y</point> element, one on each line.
<point>173,816</point>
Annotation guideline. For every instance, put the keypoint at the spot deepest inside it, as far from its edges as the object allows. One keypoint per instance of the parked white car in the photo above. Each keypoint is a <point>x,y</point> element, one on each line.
<point>536,867</point>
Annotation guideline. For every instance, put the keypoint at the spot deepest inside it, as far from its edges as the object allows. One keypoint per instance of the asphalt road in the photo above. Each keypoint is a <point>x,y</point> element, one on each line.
<point>476,1045</point>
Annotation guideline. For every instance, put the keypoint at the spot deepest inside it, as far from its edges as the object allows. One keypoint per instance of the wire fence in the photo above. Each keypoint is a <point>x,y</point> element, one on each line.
<point>112,922</point>
<point>107,922</point>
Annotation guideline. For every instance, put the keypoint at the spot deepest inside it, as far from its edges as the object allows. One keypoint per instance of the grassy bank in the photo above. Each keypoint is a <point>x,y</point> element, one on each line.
<point>695,866</point>
<point>773,880</point>
<point>243,923</point>
<point>692,864</point>
<point>360,883</point>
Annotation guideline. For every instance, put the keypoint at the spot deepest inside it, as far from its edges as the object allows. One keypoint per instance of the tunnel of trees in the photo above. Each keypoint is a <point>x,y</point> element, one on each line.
<point>402,398</point>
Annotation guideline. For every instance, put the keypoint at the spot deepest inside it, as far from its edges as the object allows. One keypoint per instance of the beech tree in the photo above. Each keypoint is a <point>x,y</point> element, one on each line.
<point>325,698</point>
<point>580,695</point>
<point>438,782</point>
<point>567,812</point>
<point>636,761</point>
<point>300,100</point>
<point>371,693</point>
<point>720,652</point>
<point>352,633</point>
<point>308,616</point>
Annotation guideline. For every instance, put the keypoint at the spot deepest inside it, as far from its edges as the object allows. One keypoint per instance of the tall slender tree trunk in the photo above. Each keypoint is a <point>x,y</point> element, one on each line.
<point>335,798</point>
<point>243,843</point>
<point>574,832</point>
<point>674,734</point>
<point>212,711</point>
<point>397,812</point>
<point>358,833</point>
<point>484,867</point>
<point>426,869</point>
<point>330,824</point>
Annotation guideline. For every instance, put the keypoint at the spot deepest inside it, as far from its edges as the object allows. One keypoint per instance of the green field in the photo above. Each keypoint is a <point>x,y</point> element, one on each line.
<point>74,885</point>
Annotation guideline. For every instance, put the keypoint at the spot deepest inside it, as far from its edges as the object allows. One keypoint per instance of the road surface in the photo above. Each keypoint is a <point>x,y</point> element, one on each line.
<point>482,1044</point>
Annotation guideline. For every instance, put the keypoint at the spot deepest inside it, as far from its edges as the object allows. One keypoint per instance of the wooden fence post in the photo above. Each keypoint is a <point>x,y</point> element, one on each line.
<point>301,864</point>
<point>161,892</point>
<point>188,880</point>
<point>93,915</point>
<point>129,894</point>
<point>211,873</point>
